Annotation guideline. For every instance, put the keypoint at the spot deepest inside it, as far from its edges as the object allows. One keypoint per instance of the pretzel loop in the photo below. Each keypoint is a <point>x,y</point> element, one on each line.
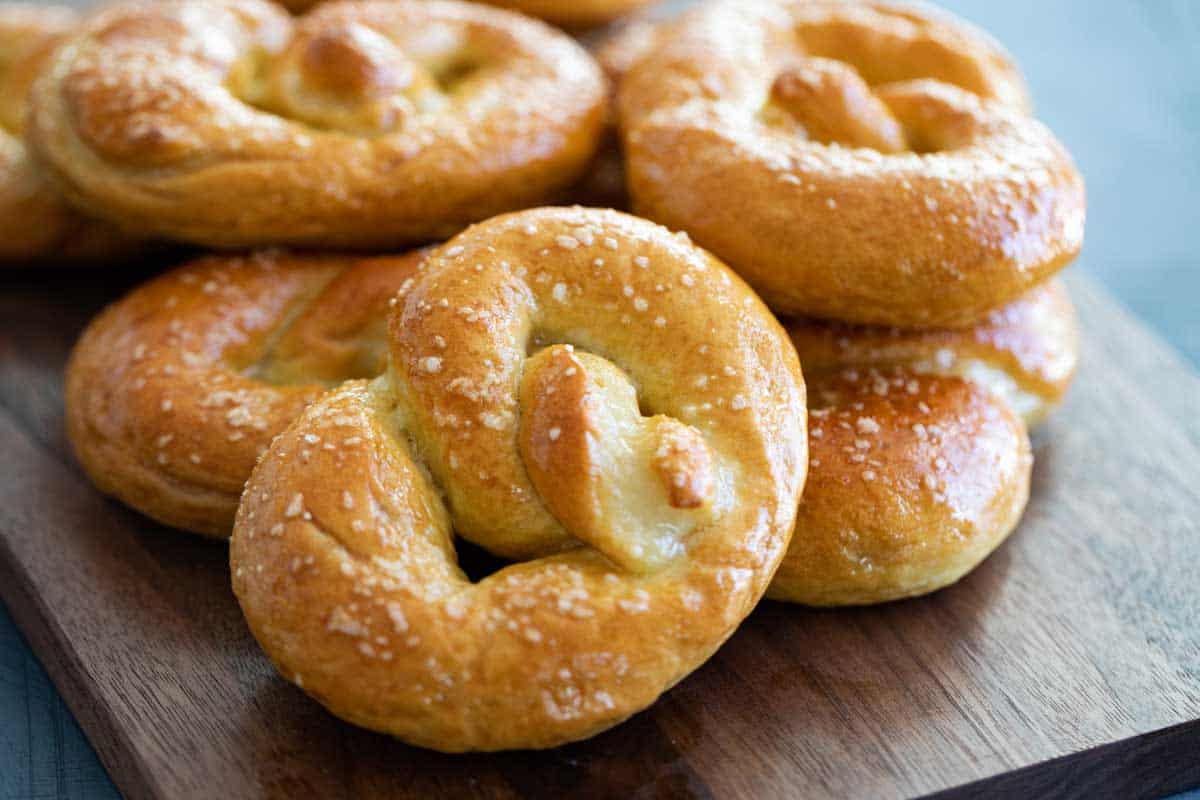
<point>535,404</point>
<point>358,125</point>
<point>858,161</point>
<point>920,456</point>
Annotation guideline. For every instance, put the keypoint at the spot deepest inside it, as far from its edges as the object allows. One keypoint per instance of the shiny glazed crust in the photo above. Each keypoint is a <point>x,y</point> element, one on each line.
<point>568,13</point>
<point>359,125</point>
<point>913,481</point>
<point>524,360</point>
<point>859,161</point>
<point>920,461</point>
<point>1026,352</point>
<point>573,13</point>
<point>616,48</point>
<point>174,391</point>
<point>35,222</point>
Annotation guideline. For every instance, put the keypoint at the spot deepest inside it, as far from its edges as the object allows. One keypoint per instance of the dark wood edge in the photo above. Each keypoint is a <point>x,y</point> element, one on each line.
<point>1146,767</point>
<point>54,650</point>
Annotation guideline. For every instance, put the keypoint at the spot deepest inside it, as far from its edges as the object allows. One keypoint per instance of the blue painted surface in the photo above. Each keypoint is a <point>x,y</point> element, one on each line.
<point>43,754</point>
<point>1116,81</point>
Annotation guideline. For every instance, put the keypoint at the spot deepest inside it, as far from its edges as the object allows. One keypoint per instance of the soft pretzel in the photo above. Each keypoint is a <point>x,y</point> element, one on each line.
<point>577,14</point>
<point>1025,352</point>
<point>229,123</point>
<point>173,392</point>
<point>524,361</point>
<point>616,48</point>
<point>35,221</point>
<point>920,462</point>
<point>574,13</point>
<point>858,160</point>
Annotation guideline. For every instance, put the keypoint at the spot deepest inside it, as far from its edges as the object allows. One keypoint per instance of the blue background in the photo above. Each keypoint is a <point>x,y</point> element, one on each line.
<point>1117,82</point>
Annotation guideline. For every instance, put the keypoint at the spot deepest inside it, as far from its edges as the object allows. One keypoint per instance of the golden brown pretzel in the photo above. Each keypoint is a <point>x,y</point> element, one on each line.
<point>228,123</point>
<point>616,47</point>
<point>568,13</point>
<point>1025,352</point>
<point>174,391</point>
<point>35,221</point>
<point>523,361</point>
<point>860,160</point>
<point>920,462</point>
<point>574,13</point>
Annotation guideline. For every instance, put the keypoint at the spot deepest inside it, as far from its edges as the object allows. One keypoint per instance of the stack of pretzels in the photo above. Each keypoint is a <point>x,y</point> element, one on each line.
<point>803,367</point>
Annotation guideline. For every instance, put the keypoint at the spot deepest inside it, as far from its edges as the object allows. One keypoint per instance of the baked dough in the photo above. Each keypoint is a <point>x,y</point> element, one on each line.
<point>576,382</point>
<point>860,161</point>
<point>174,391</point>
<point>616,47</point>
<point>1025,352</point>
<point>36,224</point>
<point>920,460</point>
<point>568,13</point>
<point>360,125</point>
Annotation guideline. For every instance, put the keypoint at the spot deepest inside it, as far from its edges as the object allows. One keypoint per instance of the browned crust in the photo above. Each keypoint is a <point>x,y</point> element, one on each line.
<point>574,13</point>
<point>920,462</point>
<point>216,123</point>
<point>343,561</point>
<point>569,14</point>
<point>913,481</point>
<point>174,391</point>
<point>988,204</point>
<point>1034,341</point>
<point>36,223</point>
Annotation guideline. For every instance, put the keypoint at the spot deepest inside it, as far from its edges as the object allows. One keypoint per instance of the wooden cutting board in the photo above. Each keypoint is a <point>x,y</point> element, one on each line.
<point>1068,664</point>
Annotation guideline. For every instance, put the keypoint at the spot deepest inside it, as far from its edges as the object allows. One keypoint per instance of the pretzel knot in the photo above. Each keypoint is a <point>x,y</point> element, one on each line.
<point>577,387</point>
<point>874,163</point>
<point>920,462</point>
<point>574,13</point>
<point>35,221</point>
<point>173,392</point>
<point>229,123</point>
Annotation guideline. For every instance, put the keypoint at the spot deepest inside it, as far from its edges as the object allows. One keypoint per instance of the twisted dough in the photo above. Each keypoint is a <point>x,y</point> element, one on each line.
<point>173,392</point>
<point>35,222</point>
<point>616,48</point>
<point>574,13</point>
<point>523,362</point>
<point>920,461</point>
<point>859,160</point>
<point>568,13</point>
<point>228,123</point>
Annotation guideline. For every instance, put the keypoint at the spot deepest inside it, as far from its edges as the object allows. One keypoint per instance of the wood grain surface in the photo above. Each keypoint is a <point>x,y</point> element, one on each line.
<point>1069,664</point>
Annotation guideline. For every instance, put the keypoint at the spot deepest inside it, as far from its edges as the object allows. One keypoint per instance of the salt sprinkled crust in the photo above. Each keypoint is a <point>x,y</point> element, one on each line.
<point>568,13</point>
<point>1025,352</point>
<point>36,224</point>
<point>174,391</point>
<point>861,161</point>
<point>359,125</point>
<point>616,47</point>
<point>913,481</point>
<point>575,386</point>
<point>574,13</point>
<point>920,462</point>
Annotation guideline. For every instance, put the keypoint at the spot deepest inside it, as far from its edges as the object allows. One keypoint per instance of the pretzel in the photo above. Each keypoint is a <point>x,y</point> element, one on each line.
<point>616,48</point>
<point>35,222</point>
<point>574,13</point>
<point>173,392</point>
<point>360,125</point>
<point>575,386</point>
<point>920,461</point>
<point>858,160</point>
